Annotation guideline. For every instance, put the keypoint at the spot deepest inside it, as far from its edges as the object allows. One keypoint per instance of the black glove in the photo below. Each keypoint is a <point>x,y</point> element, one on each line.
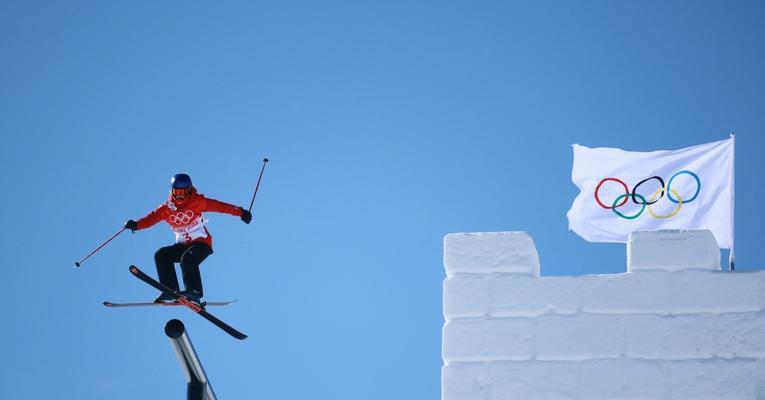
<point>246,216</point>
<point>132,225</point>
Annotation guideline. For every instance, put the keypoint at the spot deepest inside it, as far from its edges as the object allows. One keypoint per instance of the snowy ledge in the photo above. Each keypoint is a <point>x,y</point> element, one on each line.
<point>673,326</point>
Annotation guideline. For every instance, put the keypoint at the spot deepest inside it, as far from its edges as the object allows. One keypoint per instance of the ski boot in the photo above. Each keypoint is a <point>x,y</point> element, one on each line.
<point>194,296</point>
<point>164,298</point>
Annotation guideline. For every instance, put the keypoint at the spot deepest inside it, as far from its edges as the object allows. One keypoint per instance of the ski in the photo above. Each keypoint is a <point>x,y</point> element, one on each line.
<point>186,302</point>
<point>166,304</point>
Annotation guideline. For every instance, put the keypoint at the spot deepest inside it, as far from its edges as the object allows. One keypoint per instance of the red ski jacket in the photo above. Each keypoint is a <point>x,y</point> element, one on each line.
<point>185,217</point>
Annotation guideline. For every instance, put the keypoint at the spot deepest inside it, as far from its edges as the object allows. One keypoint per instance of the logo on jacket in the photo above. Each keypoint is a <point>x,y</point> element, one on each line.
<point>181,218</point>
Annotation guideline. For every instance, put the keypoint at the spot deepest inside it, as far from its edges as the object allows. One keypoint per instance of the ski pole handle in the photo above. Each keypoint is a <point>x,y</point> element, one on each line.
<point>77,263</point>
<point>265,161</point>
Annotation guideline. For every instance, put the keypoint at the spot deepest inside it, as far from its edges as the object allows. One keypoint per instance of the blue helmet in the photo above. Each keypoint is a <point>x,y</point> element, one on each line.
<point>180,186</point>
<point>180,181</point>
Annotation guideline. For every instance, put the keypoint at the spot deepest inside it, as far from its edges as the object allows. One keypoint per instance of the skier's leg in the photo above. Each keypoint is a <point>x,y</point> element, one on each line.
<point>165,258</point>
<point>190,260</point>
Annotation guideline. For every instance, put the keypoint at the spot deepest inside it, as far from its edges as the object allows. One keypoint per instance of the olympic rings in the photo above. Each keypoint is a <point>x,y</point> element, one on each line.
<point>639,199</point>
<point>181,217</point>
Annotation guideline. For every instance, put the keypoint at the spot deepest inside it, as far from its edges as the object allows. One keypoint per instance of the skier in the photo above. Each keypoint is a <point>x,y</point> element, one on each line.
<point>193,242</point>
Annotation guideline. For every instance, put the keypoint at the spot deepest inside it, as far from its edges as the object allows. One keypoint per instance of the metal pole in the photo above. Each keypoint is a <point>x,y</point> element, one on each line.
<point>77,263</point>
<point>198,387</point>
<point>732,257</point>
<point>265,161</point>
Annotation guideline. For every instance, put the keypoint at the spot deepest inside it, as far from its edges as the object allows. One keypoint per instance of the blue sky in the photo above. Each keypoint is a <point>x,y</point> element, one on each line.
<point>388,125</point>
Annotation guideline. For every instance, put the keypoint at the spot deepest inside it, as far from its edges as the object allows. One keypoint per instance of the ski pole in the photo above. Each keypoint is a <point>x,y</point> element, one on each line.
<point>265,160</point>
<point>77,263</point>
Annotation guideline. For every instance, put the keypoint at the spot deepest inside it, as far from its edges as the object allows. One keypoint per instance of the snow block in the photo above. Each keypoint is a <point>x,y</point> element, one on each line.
<point>466,296</point>
<point>661,337</point>
<point>716,379</point>
<point>740,335</point>
<point>507,252</point>
<point>488,340</point>
<point>672,250</point>
<point>578,337</point>
<point>523,296</point>
<point>623,379</point>
<point>717,292</point>
<point>533,380</point>
<point>646,292</point>
<point>465,381</point>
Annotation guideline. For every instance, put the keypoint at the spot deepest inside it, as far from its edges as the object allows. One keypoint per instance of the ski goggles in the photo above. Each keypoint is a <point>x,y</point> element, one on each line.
<point>180,193</point>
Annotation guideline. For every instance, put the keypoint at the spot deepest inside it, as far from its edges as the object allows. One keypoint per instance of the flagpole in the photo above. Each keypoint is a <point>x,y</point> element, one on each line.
<point>732,258</point>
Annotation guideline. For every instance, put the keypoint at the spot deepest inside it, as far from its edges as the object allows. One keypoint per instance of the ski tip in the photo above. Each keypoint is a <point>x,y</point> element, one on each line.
<point>133,269</point>
<point>109,304</point>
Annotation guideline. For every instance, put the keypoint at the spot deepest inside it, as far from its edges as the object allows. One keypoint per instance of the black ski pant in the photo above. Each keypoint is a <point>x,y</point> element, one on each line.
<point>190,256</point>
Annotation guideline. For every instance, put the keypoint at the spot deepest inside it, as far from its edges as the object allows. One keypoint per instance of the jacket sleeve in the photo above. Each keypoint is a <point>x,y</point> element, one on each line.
<point>221,207</point>
<point>153,217</point>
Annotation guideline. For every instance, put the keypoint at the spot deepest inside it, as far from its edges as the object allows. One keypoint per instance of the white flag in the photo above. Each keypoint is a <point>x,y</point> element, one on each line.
<point>626,191</point>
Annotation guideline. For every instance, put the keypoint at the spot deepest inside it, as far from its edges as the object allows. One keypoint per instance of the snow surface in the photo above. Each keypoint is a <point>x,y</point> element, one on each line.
<point>673,327</point>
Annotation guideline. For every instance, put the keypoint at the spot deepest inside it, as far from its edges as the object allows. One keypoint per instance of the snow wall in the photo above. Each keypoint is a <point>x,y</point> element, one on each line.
<point>674,326</point>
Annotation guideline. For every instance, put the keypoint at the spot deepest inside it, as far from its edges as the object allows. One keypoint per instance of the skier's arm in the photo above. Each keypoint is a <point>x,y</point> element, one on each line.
<point>153,217</point>
<point>222,207</point>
